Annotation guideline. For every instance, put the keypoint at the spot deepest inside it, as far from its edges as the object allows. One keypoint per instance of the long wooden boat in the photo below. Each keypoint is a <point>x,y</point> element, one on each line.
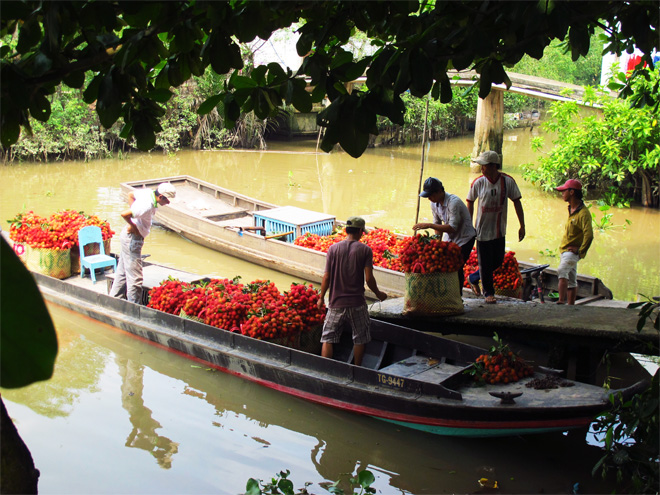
<point>408,377</point>
<point>214,217</point>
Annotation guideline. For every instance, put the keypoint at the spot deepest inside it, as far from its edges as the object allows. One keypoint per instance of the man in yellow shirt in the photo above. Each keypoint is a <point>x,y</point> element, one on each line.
<point>576,241</point>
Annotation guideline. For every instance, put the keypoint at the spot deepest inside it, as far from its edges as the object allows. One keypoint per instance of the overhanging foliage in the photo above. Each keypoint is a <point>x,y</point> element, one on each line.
<point>137,51</point>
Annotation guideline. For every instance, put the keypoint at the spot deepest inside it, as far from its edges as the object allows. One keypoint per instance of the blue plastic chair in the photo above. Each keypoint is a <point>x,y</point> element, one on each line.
<point>92,235</point>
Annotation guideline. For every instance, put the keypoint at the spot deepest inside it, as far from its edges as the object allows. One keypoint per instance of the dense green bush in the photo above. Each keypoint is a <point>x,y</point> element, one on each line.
<point>614,151</point>
<point>631,436</point>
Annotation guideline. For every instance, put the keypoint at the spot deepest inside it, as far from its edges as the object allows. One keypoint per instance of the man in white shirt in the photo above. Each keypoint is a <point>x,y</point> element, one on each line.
<point>451,219</point>
<point>493,189</point>
<point>142,208</point>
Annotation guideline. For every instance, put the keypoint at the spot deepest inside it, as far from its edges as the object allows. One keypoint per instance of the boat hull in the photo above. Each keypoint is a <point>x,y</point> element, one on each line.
<point>210,226</point>
<point>430,406</point>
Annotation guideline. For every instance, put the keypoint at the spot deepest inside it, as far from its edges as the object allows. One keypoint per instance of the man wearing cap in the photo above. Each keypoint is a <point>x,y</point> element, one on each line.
<point>576,241</point>
<point>451,217</point>
<point>142,208</point>
<point>348,264</point>
<point>492,189</point>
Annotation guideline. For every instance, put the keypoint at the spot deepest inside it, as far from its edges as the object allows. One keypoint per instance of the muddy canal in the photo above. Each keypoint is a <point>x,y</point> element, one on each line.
<point>123,417</point>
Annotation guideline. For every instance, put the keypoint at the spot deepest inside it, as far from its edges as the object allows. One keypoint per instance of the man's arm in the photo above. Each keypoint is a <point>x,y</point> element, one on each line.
<point>439,228</point>
<point>470,207</point>
<point>587,235</point>
<point>371,283</point>
<point>325,283</point>
<point>521,218</point>
<point>127,215</point>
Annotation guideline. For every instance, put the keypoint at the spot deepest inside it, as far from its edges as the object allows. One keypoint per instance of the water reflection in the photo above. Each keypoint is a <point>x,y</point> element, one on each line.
<point>221,430</point>
<point>75,375</point>
<point>143,435</point>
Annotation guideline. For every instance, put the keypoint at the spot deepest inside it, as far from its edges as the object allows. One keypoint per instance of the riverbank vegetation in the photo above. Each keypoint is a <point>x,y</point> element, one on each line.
<point>615,152</point>
<point>74,130</point>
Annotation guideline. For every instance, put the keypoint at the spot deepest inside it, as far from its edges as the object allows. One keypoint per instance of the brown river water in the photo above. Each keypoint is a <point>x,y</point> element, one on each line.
<point>120,416</point>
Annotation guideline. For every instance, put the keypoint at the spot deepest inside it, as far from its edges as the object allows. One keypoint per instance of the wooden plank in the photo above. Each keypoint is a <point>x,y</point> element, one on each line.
<point>587,300</point>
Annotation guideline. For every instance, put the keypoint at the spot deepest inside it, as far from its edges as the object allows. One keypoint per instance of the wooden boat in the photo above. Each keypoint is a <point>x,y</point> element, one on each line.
<point>408,377</point>
<point>216,217</point>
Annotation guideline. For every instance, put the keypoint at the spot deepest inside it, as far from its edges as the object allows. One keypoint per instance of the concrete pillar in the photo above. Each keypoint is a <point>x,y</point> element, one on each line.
<point>489,126</point>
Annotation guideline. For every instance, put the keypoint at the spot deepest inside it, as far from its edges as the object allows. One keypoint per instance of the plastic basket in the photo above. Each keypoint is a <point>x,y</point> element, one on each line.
<point>291,218</point>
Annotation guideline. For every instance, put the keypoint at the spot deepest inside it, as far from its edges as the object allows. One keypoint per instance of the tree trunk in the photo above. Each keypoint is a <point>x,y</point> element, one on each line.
<point>489,127</point>
<point>18,474</point>
<point>647,191</point>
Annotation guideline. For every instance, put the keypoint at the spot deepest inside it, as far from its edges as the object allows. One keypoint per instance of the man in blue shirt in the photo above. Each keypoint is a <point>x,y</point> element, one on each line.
<point>451,218</point>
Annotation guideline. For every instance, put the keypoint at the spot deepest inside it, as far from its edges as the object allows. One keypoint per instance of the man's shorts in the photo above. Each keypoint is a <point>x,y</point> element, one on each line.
<point>568,268</point>
<point>356,318</point>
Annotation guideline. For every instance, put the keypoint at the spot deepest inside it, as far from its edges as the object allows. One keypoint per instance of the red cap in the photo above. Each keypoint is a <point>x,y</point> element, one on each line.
<point>570,184</point>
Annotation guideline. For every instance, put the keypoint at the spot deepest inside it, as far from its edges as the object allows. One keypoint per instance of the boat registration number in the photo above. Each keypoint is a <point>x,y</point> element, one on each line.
<point>391,381</point>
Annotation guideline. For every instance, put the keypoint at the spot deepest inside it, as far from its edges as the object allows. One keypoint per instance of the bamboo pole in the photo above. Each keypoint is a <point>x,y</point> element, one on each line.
<point>421,171</point>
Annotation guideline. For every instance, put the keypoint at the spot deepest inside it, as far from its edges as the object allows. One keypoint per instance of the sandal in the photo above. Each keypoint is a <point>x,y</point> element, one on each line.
<point>491,300</point>
<point>475,289</point>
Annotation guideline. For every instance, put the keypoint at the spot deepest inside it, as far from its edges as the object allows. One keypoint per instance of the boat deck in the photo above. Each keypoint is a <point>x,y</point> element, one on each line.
<point>592,327</point>
<point>191,201</point>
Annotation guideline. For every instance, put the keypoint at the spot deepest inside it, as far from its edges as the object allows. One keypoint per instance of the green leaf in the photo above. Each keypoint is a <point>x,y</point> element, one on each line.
<point>252,487</point>
<point>241,82</point>
<point>144,135</point>
<point>259,75</point>
<point>161,95</point>
<point>276,74</point>
<point>286,486</point>
<point>300,98</point>
<point>357,69</point>
<point>304,43</point>
<point>10,129</point>
<point>126,130</point>
<point>445,90</point>
<point>40,107</point>
<point>29,35</point>
<point>340,58</point>
<point>209,104</point>
<point>421,73</point>
<point>108,106</point>
<point>174,72</point>
<point>219,56</point>
<point>91,93</point>
<point>75,79</point>
<point>365,478</point>
<point>262,104</point>
<point>28,343</point>
<point>232,110</point>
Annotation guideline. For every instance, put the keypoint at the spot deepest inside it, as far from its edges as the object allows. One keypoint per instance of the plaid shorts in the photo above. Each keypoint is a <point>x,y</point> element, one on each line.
<point>356,318</point>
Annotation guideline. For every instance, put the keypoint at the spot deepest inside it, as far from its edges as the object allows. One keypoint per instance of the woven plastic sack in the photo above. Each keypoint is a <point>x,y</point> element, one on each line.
<point>292,341</point>
<point>89,250</point>
<point>515,293</point>
<point>55,263</point>
<point>432,294</point>
<point>310,340</point>
<point>185,316</point>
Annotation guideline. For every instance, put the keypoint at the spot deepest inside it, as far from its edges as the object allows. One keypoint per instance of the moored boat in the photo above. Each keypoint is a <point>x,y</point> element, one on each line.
<point>408,377</point>
<point>218,218</point>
